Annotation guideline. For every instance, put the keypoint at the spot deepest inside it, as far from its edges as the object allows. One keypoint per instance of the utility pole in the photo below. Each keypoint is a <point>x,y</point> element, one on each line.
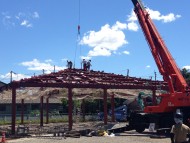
<point>11,74</point>
<point>43,71</point>
<point>127,73</point>
<point>155,75</point>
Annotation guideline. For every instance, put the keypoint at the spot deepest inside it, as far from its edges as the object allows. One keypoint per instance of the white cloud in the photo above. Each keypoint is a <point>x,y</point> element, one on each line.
<point>49,61</point>
<point>7,19</point>
<point>26,23</point>
<point>105,41</point>
<point>126,52</point>
<point>132,26</point>
<point>63,60</point>
<point>187,67</point>
<point>155,15</point>
<point>36,65</point>
<point>148,66</point>
<point>86,58</point>
<point>132,16</point>
<point>22,19</point>
<point>15,76</point>
<point>36,15</point>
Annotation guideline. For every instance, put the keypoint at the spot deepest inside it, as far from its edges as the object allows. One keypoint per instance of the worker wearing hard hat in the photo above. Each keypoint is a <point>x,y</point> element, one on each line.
<point>179,131</point>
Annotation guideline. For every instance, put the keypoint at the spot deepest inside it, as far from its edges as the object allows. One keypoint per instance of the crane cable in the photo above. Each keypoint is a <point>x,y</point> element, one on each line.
<point>78,35</point>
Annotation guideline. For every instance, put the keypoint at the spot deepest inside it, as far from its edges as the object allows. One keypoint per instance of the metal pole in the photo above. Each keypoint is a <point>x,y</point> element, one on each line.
<point>41,110</point>
<point>154,91</point>
<point>127,72</point>
<point>22,111</point>
<point>83,109</point>
<point>13,110</point>
<point>155,75</point>
<point>154,96</point>
<point>112,108</point>
<point>105,107</point>
<point>43,71</point>
<point>11,76</point>
<point>70,108</point>
<point>47,110</point>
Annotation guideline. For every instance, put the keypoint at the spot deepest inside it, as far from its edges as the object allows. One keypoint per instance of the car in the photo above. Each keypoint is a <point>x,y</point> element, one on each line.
<point>120,114</point>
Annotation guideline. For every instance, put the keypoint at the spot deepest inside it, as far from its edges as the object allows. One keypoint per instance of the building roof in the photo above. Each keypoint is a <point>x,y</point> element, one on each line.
<point>78,78</point>
<point>84,84</point>
<point>2,85</point>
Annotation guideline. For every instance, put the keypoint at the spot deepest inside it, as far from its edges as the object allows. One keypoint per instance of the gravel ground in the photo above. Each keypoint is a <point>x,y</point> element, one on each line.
<point>130,136</point>
<point>117,139</point>
<point>127,136</point>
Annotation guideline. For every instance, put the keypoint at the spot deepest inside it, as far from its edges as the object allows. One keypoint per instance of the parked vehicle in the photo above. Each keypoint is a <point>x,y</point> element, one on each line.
<point>120,114</point>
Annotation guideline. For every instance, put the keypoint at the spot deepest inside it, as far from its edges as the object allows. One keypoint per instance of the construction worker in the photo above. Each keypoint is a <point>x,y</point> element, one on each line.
<point>84,64</point>
<point>69,64</point>
<point>179,131</point>
<point>88,64</point>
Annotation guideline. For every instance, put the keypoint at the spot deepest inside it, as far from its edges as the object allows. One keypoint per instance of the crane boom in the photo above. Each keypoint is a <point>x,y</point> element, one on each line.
<point>164,60</point>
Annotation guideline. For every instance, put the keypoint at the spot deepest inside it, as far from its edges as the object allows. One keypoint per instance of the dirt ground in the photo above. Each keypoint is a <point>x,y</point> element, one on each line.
<point>127,136</point>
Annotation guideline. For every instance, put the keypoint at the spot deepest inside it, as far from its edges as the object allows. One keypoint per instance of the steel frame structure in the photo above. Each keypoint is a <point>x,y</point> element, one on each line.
<point>78,78</point>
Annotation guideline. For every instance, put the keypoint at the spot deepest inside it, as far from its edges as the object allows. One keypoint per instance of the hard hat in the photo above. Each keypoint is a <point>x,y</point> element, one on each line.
<point>178,115</point>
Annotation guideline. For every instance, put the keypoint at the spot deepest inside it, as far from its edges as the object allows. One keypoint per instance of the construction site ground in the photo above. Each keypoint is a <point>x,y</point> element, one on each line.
<point>40,135</point>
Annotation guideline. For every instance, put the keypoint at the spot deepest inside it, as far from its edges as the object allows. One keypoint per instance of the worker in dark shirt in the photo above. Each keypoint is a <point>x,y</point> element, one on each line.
<point>88,65</point>
<point>69,64</point>
<point>84,63</point>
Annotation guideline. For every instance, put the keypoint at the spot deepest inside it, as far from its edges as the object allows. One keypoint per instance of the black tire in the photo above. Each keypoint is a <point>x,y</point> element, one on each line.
<point>140,128</point>
<point>138,122</point>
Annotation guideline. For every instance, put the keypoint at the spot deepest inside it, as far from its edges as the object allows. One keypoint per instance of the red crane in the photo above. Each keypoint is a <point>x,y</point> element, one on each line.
<point>177,95</point>
<point>177,98</point>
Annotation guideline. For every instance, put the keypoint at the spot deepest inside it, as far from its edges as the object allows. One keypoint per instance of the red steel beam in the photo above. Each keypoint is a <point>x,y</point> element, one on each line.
<point>87,85</point>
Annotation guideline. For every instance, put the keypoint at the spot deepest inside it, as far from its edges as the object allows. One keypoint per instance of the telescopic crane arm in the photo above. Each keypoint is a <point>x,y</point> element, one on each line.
<point>164,60</point>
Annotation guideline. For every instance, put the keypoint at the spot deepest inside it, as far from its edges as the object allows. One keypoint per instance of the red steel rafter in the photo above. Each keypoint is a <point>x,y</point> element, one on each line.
<point>77,78</point>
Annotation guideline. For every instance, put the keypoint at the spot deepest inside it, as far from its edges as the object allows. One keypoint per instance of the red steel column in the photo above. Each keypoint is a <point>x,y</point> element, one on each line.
<point>13,110</point>
<point>22,111</point>
<point>70,108</point>
<point>105,107</point>
<point>47,110</point>
<point>112,109</point>
<point>41,110</point>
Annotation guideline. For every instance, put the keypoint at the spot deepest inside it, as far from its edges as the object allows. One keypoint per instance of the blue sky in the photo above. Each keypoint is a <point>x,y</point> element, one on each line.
<point>36,35</point>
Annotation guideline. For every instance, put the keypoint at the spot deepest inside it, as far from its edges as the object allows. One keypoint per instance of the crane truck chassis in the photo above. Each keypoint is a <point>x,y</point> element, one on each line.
<point>177,99</point>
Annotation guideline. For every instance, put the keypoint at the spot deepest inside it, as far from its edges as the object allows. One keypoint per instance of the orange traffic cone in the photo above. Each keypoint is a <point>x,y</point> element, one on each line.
<point>3,139</point>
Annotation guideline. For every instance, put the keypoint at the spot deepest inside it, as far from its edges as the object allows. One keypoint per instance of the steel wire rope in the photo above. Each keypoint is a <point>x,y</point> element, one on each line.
<point>78,36</point>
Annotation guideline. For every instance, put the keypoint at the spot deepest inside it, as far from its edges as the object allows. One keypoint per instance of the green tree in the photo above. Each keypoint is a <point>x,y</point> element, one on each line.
<point>186,74</point>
